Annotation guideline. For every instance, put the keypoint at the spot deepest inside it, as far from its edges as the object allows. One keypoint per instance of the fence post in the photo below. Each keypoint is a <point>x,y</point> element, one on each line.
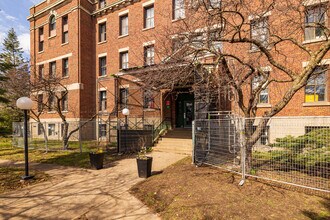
<point>193,142</point>
<point>243,150</point>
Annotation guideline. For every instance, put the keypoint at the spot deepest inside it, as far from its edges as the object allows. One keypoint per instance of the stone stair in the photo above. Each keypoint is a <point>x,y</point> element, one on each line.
<point>176,141</point>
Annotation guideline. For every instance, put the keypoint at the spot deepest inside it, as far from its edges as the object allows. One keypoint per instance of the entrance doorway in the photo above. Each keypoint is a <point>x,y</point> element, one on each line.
<point>184,110</point>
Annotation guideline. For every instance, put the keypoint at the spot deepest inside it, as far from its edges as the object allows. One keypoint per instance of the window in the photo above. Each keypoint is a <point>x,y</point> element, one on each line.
<point>263,95</point>
<point>102,3</point>
<point>102,130</point>
<point>51,129</point>
<point>314,22</point>
<point>40,128</point>
<point>215,4</point>
<point>178,9</point>
<point>197,40</point>
<point>259,32</point>
<point>64,101</point>
<point>41,72</point>
<point>264,138</point>
<point>51,103</point>
<point>103,101</point>
<point>123,25</point>
<point>52,70</point>
<point>41,39</point>
<point>316,85</point>
<point>123,97</point>
<point>40,103</point>
<point>177,44</point>
<point>148,101</point>
<point>313,128</point>
<point>52,26</point>
<point>149,17</point>
<point>214,40</point>
<point>65,67</point>
<point>65,30</point>
<point>149,55</point>
<point>123,60</point>
<point>102,32</point>
<point>103,66</point>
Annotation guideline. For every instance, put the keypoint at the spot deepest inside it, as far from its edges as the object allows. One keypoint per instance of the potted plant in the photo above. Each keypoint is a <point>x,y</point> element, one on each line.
<point>144,162</point>
<point>96,158</point>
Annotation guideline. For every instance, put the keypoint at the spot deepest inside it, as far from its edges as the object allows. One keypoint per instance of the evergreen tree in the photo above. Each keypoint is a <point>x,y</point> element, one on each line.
<point>14,80</point>
<point>12,52</point>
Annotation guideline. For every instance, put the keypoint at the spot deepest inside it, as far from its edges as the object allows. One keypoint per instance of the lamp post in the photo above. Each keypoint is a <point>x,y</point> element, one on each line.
<point>25,104</point>
<point>125,112</point>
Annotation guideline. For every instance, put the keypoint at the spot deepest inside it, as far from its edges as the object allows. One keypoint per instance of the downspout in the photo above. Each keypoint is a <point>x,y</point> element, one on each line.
<point>79,63</point>
<point>34,68</point>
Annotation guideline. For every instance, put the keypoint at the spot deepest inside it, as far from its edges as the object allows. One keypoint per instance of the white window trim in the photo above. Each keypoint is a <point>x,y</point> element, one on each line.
<point>149,43</point>
<point>55,59</point>
<point>123,13</point>
<point>126,49</point>
<point>102,21</point>
<point>313,2</point>
<point>323,62</point>
<point>148,3</point>
<point>103,89</point>
<point>255,17</point>
<point>102,55</point>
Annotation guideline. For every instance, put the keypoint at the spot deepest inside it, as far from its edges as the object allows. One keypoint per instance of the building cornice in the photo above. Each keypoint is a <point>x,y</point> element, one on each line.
<point>114,6</point>
<point>45,9</point>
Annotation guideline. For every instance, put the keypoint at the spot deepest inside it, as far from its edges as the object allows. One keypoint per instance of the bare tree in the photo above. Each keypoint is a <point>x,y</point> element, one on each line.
<point>57,95</point>
<point>237,49</point>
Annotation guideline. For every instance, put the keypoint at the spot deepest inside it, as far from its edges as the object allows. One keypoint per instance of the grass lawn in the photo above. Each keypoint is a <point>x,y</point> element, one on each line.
<point>184,191</point>
<point>71,157</point>
<point>10,178</point>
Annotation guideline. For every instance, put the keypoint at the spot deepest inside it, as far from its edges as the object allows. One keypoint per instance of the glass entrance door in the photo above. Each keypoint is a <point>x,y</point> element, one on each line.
<point>188,113</point>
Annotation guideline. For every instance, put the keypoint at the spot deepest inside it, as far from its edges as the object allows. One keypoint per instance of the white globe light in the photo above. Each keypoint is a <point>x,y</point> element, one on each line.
<point>24,103</point>
<point>125,111</point>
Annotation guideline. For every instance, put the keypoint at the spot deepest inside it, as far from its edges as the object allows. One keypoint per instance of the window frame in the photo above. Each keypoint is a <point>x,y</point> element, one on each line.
<point>315,77</point>
<point>123,97</point>
<point>177,7</point>
<point>102,100</point>
<point>65,67</point>
<point>102,32</point>
<point>258,32</point>
<point>41,35</point>
<point>102,68</point>
<point>51,129</point>
<point>52,71</point>
<point>102,3</point>
<point>123,27</point>
<point>148,100</point>
<point>313,30</point>
<point>149,60</point>
<point>123,65</point>
<point>148,20</point>
<point>40,106</point>
<point>51,103</point>
<point>64,102</point>
<point>65,29</point>
<point>52,26</point>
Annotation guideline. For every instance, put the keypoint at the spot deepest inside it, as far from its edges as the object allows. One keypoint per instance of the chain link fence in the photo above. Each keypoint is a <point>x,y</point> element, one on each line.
<point>292,150</point>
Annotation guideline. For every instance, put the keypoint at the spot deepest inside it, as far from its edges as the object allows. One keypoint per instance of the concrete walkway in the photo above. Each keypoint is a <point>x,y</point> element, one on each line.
<point>83,194</point>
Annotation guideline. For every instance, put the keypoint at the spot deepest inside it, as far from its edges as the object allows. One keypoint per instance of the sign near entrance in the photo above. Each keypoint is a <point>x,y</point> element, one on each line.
<point>168,104</point>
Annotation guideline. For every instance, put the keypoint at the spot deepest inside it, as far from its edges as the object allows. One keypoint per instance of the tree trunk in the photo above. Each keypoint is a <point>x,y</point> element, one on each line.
<point>65,135</point>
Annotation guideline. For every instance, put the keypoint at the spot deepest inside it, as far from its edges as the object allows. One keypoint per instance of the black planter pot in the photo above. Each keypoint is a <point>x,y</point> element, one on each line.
<point>144,167</point>
<point>96,160</point>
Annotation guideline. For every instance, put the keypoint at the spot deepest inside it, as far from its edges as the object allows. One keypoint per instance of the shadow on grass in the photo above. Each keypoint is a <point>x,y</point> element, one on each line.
<point>322,215</point>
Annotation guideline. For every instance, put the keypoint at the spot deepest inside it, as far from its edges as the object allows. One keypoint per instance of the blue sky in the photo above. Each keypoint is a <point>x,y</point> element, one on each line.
<point>13,13</point>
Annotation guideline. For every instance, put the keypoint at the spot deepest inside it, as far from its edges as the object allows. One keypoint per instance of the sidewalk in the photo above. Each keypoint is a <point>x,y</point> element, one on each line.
<point>83,194</point>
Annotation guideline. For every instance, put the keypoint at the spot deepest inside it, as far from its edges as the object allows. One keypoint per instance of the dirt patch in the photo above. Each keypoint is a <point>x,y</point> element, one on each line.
<point>184,191</point>
<point>10,178</point>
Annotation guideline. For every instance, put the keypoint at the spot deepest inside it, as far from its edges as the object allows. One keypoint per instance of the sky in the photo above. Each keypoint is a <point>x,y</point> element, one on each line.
<point>13,14</point>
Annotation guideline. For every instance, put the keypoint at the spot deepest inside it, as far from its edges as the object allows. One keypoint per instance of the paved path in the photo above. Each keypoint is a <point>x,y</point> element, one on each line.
<point>83,194</point>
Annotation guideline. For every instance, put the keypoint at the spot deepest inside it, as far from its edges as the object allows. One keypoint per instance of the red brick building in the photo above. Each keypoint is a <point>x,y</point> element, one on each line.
<point>88,42</point>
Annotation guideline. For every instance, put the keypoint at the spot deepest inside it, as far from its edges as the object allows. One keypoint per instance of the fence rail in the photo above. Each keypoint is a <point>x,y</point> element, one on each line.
<point>292,150</point>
